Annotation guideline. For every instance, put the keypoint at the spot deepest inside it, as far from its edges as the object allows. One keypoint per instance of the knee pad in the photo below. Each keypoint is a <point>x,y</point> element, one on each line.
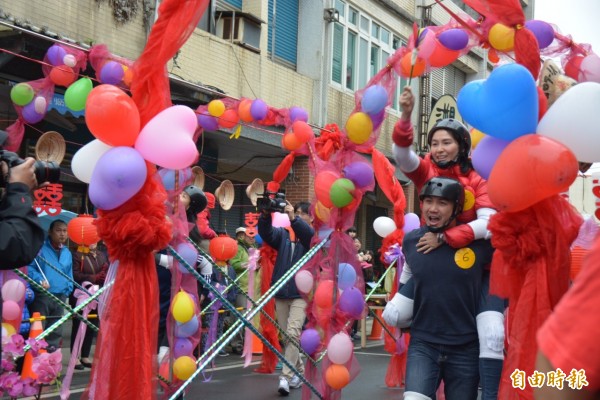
<point>415,396</point>
<point>490,328</point>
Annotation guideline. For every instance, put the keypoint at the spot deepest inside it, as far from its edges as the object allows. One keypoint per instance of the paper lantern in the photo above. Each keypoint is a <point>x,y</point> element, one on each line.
<point>222,248</point>
<point>82,230</point>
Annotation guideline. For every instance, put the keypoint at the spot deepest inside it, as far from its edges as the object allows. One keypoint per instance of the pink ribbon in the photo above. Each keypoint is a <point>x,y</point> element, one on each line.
<point>252,266</point>
<point>81,296</point>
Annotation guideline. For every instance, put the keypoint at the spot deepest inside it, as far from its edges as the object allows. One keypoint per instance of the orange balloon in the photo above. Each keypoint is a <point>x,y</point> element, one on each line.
<point>530,169</point>
<point>127,75</point>
<point>244,110</point>
<point>302,131</point>
<point>405,66</point>
<point>323,182</point>
<point>112,116</point>
<point>290,142</point>
<point>62,75</point>
<point>324,294</point>
<point>322,212</point>
<point>229,118</point>
<point>337,376</point>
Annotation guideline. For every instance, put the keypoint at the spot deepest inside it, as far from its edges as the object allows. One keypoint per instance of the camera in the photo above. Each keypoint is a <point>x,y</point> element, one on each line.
<point>271,201</point>
<point>44,171</point>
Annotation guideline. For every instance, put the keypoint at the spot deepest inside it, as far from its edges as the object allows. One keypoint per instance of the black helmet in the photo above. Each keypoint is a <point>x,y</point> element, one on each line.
<point>197,199</point>
<point>460,134</point>
<point>446,188</point>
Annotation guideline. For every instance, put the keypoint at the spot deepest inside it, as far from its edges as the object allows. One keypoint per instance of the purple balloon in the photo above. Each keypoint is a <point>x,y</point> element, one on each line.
<point>56,54</point>
<point>346,276</point>
<point>352,302</point>
<point>298,114</point>
<point>182,347</point>
<point>422,35</point>
<point>30,115</point>
<point>310,341</point>
<point>411,222</point>
<point>111,73</point>
<point>258,110</point>
<point>187,329</point>
<point>208,122</point>
<point>374,99</point>
<point>119,174</point>
<point>377,119</point>
<point>454,39</point>
<point>361,173</point>
<point>543,32</point>
<point>189,253</point>
<point>486,153</point>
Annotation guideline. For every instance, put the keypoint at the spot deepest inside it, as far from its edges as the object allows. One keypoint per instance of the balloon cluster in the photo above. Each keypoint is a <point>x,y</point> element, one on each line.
<point>115,164</point>
<point>523,167</point>
<point>185,313</point>
<point>13,300</point>
<point>361,124</point>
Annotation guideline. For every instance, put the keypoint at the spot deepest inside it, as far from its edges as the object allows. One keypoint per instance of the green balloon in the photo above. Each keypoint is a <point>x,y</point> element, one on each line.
<point>21,94</point>
<point>77,94</point>
<point>340,192</point>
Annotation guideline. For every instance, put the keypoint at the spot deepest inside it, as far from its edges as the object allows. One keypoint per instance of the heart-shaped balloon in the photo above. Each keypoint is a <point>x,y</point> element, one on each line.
<point>167,140</point>
<point>504,106</point>
<point>530,169</point>
<point>574,119</point>
<point>119,174</point>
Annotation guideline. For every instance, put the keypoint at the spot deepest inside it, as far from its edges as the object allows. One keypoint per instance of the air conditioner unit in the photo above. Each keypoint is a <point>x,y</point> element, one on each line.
<point>241,28</point>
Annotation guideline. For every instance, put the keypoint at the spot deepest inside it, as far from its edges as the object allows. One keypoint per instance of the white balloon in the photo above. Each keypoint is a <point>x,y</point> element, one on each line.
<point>383,226</point>
<point>70,60</point>
<point>574,119</point>
<point>40,104</point>
<point>304,281</point>
<point>339,348</point>
<point>85,159</point>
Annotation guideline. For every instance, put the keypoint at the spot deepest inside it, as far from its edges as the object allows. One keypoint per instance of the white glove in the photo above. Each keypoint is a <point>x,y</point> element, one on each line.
<point>398,311</point>
<point>204,266</point>
<point>166,261</point>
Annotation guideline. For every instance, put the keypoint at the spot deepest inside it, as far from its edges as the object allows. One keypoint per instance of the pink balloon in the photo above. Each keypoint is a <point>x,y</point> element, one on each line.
<point>590,69</point>
<point>411,222</point>
<point>280,220</point>
<point>304,281</point>
<point>40,105</point>
<point>14,290</point>
<point>339,349</point>
<point>167,140</point>
<point>10,310</point>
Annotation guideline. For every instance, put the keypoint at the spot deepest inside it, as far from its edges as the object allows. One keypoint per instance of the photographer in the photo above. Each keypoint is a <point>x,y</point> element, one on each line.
<point>21,236</point>
<point>290,307</point>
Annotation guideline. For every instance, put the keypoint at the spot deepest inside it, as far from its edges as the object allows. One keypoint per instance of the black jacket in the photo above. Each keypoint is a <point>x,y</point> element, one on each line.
<point>279,239</point>
<point>21,236</point>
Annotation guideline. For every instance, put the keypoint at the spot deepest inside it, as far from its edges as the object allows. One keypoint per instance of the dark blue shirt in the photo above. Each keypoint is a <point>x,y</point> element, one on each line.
<point>447,289</point>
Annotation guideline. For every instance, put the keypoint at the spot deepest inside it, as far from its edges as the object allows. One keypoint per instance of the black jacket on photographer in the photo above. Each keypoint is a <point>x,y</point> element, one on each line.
<point>288,251</point>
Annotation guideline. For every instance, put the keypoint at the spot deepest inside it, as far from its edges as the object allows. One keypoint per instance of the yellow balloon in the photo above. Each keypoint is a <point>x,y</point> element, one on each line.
<point>322,212</point>
<point>502,37</point>
<point>184,367</point>
<point>8,330</point>
<point>216,108</point>
<point>359,127</point>
<point>476,137</point>
<point>183,307</point>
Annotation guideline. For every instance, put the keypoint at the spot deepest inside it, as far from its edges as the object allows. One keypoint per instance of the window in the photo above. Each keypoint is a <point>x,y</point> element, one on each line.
<point>359,54</point>
<point>283,31</point>
<point>341,7</point>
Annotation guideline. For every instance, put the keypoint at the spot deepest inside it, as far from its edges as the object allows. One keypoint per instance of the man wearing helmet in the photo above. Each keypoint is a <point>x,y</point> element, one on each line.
<point>447,287</point>
<point>450,143</point>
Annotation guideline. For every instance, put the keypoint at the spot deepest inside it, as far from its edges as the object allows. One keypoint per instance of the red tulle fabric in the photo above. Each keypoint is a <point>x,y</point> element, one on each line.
<point>284,167</point>
<point>530,268</point>
<point>269,331</point>
<point>328,142</point>
<point>125,357</point>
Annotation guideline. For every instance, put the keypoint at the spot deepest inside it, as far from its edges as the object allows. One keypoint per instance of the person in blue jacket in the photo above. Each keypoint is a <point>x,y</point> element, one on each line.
<point>289,305</point>
<point>56,253</point>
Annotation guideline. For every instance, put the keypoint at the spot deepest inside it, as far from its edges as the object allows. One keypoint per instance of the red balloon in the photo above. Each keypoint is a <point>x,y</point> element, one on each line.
<point>112,116</point>
<point>323,182</point>
<point>303,131</point>
<point>442,56</point>
<point>290,142</point>
<point>82,230</point>
<point>62,75</point>
<point>573,67</point>
<point>530,169</point>
<point>229,119</point>
<point>324,294</point>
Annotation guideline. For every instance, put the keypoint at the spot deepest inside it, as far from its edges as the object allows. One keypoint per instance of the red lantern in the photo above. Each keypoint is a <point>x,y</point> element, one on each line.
<point>222,248</point>
<point>82,230</point>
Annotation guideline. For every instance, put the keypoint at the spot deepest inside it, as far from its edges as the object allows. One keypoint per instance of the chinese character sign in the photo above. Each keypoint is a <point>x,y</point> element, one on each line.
<point>251,220</point>
<point>444,108</point>
<point>576,379</point>
<point>47,199</point>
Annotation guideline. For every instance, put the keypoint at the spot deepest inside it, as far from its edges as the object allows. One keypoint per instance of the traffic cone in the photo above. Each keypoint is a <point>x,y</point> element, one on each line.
<point>257,345</point>
<point>35,330</point>
<point>376,328</point>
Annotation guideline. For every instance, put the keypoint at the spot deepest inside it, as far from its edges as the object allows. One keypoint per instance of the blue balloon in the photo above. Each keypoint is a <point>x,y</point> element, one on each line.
<point>374,99</point>
<point>258,240</point>
<point>187,329</point>
<point>168,177</point>
<point>504,106</point>
<point>346,276</point>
